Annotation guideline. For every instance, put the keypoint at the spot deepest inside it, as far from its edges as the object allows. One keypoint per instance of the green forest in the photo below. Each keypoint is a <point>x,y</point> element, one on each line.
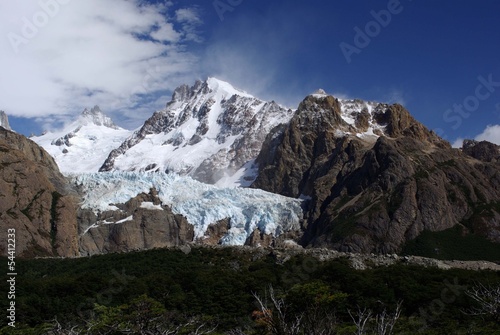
<point>242,291</point>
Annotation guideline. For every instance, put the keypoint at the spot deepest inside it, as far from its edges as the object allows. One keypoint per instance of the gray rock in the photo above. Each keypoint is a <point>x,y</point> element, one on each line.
<point>133,228</point>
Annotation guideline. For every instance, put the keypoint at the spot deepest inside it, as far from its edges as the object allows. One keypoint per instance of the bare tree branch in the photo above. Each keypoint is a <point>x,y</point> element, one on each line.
<point>385,322</point>
<point>276,318</point>
<point>487,299</point>
<point>360,319</point>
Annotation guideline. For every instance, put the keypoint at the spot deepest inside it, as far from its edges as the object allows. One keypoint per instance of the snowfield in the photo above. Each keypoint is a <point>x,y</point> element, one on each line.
<point>201,204</point>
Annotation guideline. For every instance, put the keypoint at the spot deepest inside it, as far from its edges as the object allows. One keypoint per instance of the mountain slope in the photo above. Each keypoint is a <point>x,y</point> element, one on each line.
<point>210,131</point>
<point>373,193</point>
<point>83,145</point>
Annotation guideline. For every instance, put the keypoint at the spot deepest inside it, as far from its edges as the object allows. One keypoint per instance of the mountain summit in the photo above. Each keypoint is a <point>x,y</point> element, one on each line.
<point>83,145</point>
<point>96,117</point>
<point>210,131</point>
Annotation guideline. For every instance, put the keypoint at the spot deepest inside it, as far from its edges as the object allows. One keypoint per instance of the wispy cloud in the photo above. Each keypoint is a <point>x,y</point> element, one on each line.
<point>190,20</point>
<point>394,96</point>
<point>60,56</point>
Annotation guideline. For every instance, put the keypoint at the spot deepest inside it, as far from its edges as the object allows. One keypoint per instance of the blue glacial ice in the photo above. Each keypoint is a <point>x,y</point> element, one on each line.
<point>200,203</point>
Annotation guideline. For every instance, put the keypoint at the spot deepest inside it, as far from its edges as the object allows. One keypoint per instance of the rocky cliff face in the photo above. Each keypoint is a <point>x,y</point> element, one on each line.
<point>372,190</point>
<point>35,200</point>
<point>133,227</point>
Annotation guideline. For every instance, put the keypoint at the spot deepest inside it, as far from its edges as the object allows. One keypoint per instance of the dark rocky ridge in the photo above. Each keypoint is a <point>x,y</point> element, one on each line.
<point>372,195</point>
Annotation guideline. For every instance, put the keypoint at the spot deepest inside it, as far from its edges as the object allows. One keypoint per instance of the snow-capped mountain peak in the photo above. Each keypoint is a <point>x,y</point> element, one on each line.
<point>320,92</point>
<point>211,131</point>
<point>97,117</point>
<point>224,88</point>
<point>83,145</point>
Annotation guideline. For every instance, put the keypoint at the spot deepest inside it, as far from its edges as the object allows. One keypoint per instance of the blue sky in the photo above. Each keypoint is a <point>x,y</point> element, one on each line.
<point>438,58</point>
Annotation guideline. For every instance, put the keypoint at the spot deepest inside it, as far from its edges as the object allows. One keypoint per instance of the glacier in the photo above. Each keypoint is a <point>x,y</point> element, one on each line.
<point>202,204</point>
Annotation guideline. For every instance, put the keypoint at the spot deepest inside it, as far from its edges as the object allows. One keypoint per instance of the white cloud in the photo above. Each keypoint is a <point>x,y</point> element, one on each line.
<point>458,143</point>
<point>491,134</point>
<point>59,56</point>
<point>166,33</point>
<point>188,15</point>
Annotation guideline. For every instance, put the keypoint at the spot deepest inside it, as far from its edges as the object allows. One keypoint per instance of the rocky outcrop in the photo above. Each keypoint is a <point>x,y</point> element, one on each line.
<point>374,193</point>
<point>260,239</point>
<point>215,232</point>
<point>139,224</point>
<point>36,200</point>
<point>484,151</point>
